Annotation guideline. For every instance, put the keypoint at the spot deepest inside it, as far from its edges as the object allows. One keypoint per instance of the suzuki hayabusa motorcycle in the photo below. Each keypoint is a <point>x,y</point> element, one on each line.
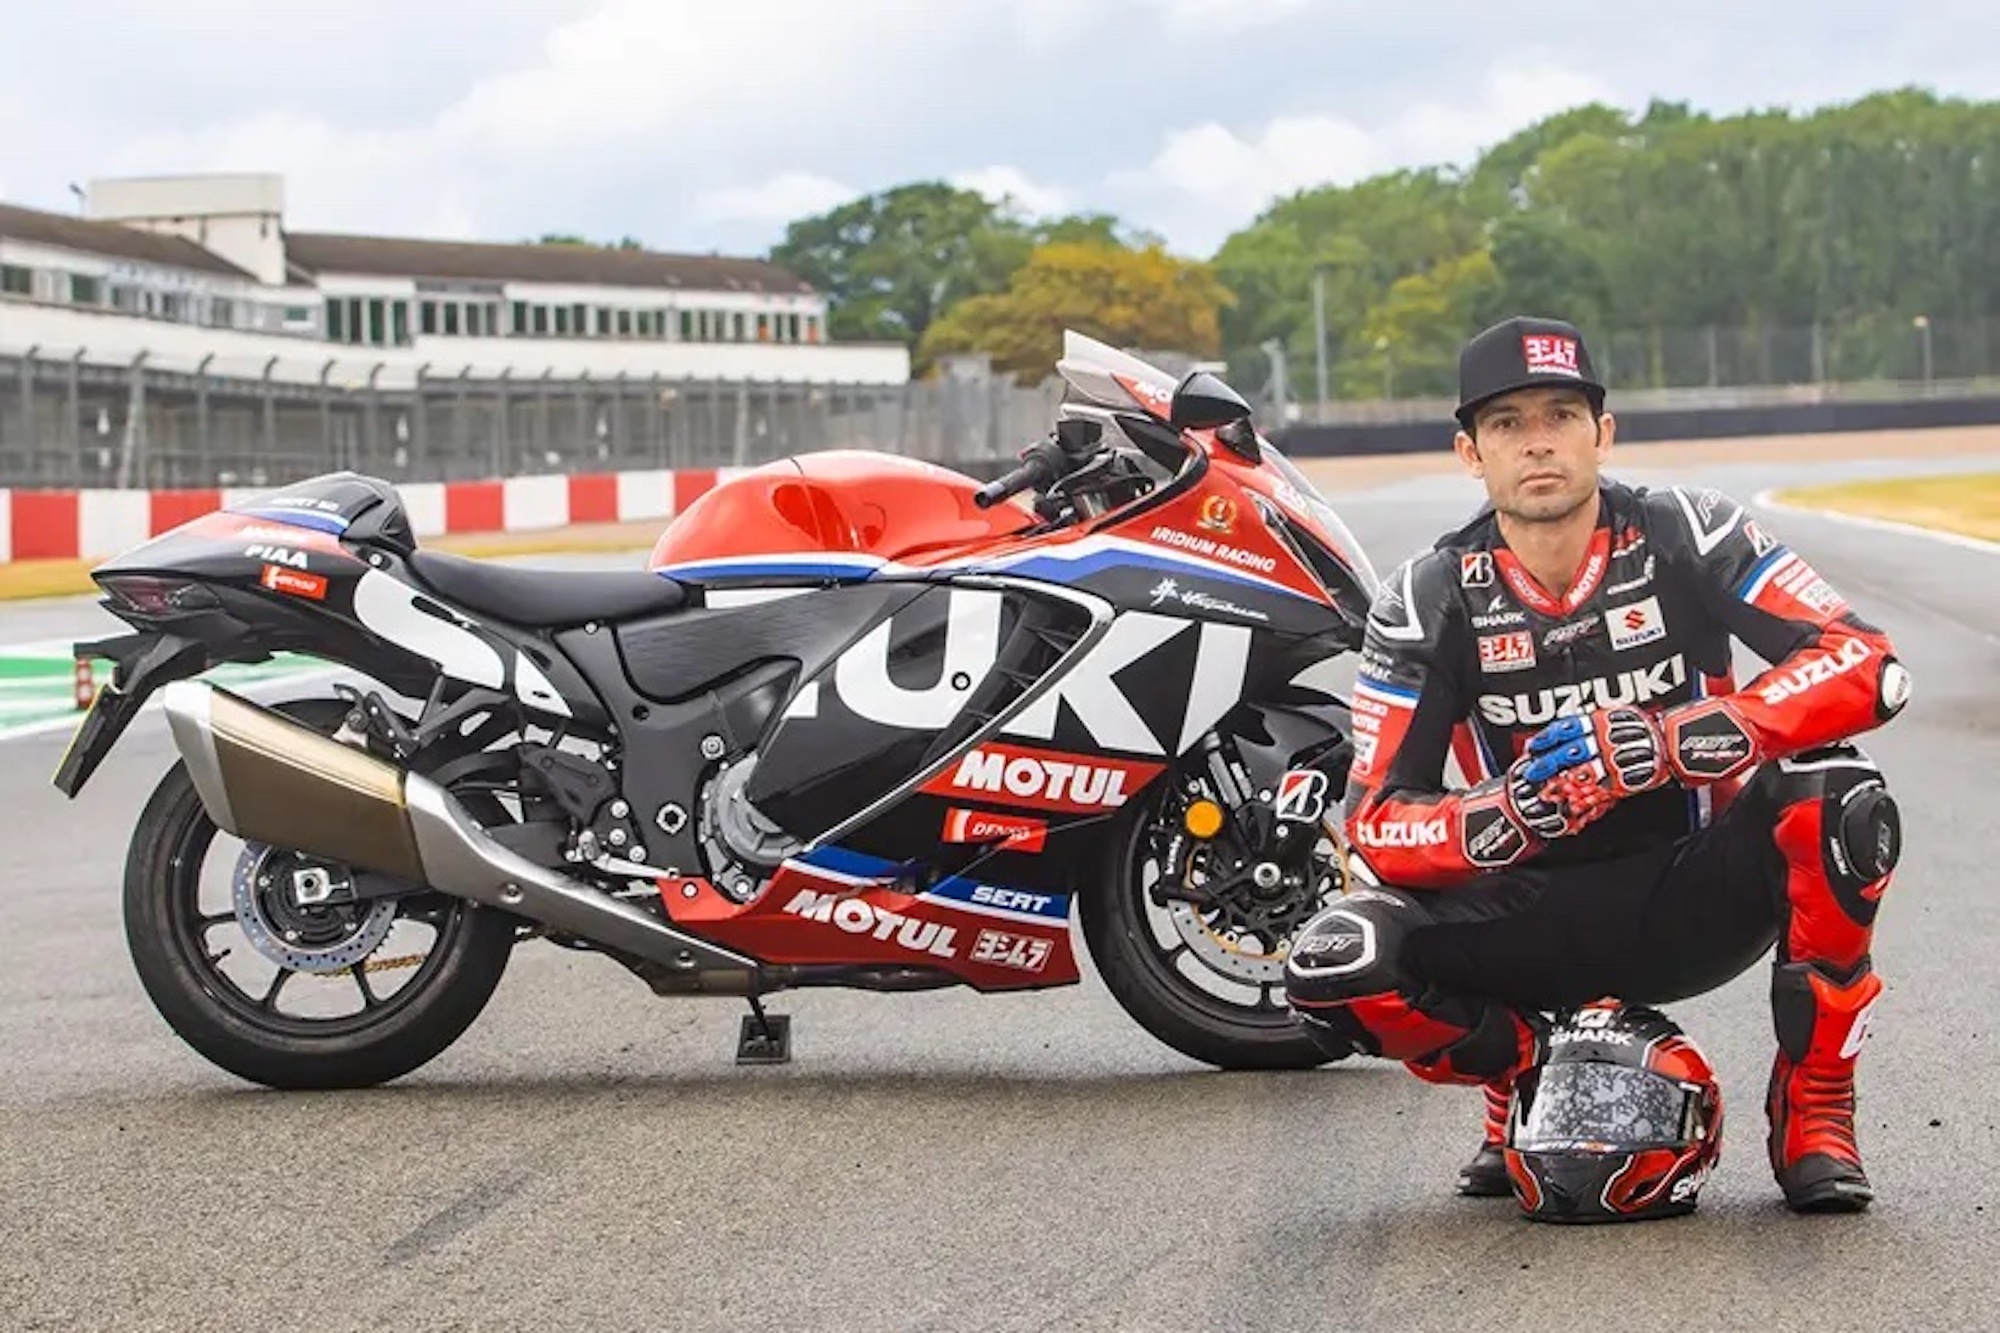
<point>862,722</point>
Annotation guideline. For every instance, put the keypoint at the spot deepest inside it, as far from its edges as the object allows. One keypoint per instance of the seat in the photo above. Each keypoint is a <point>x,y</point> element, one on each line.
<point>545,598</point>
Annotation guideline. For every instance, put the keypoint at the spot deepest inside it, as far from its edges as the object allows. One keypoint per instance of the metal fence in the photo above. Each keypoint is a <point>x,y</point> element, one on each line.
<point>69,423</point>
<point>1881,356</point>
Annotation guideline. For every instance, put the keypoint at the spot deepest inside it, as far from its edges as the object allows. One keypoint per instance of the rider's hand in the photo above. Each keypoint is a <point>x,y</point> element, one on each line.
<point>1619,752</point>
<point>1551,807</point>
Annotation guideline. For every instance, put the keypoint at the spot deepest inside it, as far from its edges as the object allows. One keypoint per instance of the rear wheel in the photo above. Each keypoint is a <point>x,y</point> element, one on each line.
<point>285,969</point>
<point>1191,940</point>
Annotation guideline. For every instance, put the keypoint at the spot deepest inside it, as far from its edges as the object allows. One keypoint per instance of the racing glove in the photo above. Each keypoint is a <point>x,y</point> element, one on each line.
<point>1629,751</point>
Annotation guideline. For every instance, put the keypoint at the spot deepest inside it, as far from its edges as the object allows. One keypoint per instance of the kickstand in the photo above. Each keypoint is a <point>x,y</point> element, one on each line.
<point>766,1039</point>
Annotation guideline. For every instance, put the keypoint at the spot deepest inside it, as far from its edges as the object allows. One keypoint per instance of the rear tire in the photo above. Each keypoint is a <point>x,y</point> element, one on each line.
<point>161,909</point>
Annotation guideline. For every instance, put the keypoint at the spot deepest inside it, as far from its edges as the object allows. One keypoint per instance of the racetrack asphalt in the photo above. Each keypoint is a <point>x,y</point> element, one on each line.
<point>590,1156</point>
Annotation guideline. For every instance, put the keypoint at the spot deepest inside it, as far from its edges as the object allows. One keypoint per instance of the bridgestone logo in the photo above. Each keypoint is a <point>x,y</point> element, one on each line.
<point>1637,686</point>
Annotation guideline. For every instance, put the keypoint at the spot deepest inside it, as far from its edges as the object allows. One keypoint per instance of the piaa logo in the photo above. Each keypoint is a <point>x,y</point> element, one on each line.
<point>1550,354</point>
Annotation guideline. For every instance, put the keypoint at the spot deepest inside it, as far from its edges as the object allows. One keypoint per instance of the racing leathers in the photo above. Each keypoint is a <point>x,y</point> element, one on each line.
<point>1628,819</point>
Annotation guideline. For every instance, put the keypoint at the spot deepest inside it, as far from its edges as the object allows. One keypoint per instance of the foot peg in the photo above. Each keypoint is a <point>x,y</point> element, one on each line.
<point>764,1039</point>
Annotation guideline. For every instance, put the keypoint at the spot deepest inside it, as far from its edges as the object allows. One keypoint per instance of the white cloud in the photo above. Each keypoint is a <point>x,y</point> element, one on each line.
<point>1223,18</point>
<point>1011,185</point>
<point>781,199</point>
<point>1208,180</point>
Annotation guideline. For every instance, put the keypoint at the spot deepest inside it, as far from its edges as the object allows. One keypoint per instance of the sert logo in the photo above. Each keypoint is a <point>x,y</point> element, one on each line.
<point>1041,779</point>
<point>857,916</point>
<point>1637,686</point>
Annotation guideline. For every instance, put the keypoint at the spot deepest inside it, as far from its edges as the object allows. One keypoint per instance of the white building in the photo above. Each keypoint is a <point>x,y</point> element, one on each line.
<point>198,273</point>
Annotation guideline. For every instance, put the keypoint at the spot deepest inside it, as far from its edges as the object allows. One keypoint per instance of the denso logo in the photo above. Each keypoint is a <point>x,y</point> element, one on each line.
<point>857,916</point>
<point>1402,833</point>
<point>1815,672</point>
<point>1637,686</point>
<point>1043,780</point>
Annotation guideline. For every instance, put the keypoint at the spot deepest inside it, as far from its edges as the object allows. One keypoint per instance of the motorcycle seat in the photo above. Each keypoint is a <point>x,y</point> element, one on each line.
<point>545,598</point>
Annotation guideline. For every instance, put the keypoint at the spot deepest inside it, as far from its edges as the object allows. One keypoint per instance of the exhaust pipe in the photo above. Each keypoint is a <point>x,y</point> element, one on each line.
<point>265,778</point>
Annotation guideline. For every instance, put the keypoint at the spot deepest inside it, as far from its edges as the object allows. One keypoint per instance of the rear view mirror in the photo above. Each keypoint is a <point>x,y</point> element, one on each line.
<point>1204,402</point>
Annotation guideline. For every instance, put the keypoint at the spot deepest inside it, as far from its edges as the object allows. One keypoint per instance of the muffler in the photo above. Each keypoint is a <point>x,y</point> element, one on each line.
<point>265,778</point>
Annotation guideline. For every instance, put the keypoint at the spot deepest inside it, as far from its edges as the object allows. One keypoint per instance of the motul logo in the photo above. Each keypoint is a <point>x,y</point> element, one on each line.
<point>1041,779</point>
<point>857,916</point>
<point>1638,686</point>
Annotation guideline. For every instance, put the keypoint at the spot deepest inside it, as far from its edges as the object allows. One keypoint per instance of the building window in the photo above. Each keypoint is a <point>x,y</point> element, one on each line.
<point>221,312</point>
<point>85,290</point>
<point>16,281</point>
<point>542,320</point>
<point>399,316</point>
<point>624,323</point>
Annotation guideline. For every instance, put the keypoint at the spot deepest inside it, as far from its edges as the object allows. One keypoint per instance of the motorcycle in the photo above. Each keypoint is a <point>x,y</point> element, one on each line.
<point>861,722</point>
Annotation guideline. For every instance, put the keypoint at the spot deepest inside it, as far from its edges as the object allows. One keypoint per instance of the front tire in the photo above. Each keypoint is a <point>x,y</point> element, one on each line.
<point>168,933</point>
<point>1230,1013</point>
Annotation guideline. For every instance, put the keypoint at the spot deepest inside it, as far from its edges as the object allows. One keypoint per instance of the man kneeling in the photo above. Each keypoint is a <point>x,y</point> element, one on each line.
<point>1637,824</point>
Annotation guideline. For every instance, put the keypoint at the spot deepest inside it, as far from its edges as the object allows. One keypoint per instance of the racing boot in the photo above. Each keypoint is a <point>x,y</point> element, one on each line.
<point>1503,1044</point>
<point>1485,1176</point>
<point>1820,1022</point>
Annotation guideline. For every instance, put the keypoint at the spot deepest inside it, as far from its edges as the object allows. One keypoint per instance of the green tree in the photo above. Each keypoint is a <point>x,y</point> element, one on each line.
<point>890,263</point>
<point>1126,297</point>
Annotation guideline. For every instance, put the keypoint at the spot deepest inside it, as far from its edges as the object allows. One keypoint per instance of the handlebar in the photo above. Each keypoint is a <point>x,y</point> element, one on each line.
<point>1042,464</point>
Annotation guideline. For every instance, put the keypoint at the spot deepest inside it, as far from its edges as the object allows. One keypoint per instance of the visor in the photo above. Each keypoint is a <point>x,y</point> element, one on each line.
<point>1605,1107</point>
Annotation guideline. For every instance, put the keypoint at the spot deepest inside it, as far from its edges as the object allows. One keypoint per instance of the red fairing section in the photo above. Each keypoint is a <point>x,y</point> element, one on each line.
<point>809,917</point>
<point>1830,688</point>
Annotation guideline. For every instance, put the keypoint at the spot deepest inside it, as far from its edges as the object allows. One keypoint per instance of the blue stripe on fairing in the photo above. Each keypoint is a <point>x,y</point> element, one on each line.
<point>860,865</point>
<point>1054,569</point>
<point>299,518</point>
<point>816,568</point>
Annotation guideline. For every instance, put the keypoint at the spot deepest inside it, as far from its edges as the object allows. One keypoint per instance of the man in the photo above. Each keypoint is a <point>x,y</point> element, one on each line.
<point>1635,824</point>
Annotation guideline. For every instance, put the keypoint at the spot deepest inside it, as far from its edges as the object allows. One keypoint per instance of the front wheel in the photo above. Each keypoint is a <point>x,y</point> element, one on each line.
<point>282,968</point>
<point>1191,939</point>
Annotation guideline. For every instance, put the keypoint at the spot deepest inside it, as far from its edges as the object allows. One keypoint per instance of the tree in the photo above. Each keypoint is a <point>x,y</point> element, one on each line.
<point>568,238</point>
<point>890,263</point>
<point>1125,297</point>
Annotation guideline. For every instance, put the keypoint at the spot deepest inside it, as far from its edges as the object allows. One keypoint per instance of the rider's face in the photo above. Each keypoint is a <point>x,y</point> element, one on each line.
<point>1538,451</point>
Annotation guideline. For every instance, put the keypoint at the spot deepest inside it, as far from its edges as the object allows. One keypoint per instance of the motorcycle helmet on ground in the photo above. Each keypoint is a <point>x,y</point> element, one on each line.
<point>1620,1121</point>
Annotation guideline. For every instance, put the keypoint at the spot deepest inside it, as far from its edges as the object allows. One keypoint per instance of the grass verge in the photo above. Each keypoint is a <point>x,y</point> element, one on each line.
<point>1966,503</point>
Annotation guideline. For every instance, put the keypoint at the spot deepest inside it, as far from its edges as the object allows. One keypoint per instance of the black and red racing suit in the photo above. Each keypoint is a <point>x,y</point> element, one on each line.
<point>1775,830</point>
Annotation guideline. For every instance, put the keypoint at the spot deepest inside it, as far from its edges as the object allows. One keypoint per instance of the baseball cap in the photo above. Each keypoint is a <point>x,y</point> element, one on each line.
<point>1520,353</point>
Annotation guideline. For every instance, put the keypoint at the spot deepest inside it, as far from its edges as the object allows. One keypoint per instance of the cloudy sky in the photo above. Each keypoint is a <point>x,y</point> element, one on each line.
<point>707,124</point>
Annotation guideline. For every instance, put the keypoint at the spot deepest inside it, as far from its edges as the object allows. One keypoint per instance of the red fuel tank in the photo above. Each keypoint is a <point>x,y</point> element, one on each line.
<point>853,503</point>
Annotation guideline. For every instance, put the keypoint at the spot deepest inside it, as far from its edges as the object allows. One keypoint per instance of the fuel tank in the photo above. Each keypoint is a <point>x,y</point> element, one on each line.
<point>840,515</point>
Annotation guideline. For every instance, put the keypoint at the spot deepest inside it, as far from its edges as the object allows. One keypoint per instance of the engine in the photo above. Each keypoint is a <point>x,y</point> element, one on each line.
<point>742,847</point>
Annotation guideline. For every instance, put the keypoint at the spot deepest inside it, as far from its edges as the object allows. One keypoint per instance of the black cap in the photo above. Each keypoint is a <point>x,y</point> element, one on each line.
<point>1522,353</point>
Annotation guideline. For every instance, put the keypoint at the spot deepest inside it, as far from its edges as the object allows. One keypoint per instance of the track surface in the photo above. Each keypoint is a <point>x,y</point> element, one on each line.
<point>588,1156</point>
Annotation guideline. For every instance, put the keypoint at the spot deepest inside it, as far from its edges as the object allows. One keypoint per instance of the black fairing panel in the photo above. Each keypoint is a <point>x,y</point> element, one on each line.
<point>672,656</point>
<point>866,723</point>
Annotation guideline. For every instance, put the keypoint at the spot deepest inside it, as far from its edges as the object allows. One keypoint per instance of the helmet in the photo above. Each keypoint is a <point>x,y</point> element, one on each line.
<point>1621,1120</point>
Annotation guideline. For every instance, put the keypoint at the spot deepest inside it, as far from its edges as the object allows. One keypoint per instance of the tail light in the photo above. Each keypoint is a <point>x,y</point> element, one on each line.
<point>156,596</point>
